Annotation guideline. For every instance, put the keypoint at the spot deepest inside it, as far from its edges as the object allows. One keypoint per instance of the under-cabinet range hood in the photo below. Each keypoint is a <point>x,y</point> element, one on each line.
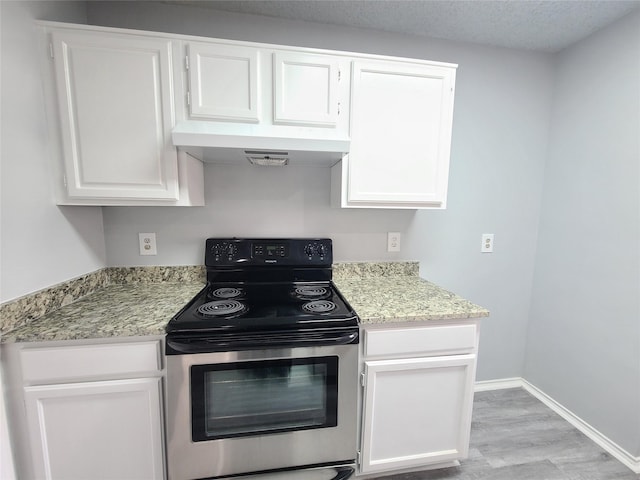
<point>261,144</point>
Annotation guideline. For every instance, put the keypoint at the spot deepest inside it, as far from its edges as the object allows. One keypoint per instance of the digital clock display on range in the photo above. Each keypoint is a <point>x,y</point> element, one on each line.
<point>270,250</point>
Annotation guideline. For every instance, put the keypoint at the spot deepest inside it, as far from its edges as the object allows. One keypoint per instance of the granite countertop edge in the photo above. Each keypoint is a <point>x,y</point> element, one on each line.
<point>139,301</point>
<point>403,299</point>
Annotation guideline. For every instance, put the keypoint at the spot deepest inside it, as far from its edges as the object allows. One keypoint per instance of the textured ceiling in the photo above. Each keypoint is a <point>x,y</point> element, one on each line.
<point>547,26</point>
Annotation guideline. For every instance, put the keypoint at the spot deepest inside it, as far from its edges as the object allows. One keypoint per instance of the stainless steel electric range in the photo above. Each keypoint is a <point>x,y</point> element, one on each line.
<point>262,366</point>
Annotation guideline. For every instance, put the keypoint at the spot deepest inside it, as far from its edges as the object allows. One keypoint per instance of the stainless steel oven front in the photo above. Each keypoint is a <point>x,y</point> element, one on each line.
<point>263,411</point>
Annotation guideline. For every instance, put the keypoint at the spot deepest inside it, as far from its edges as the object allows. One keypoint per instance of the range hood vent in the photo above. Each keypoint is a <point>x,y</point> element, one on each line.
<point>266,158</point>
<point>224,143</point>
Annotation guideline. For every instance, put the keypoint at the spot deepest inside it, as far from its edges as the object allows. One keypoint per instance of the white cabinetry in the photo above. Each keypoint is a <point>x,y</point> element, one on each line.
<point>306,89</point>
<point>122,100</point>
<point>224,82</point>
<point>94,411</point>
<point>252,84</point>
<point>418,395</point>
<point>401,117</point>
<point>115,106</point>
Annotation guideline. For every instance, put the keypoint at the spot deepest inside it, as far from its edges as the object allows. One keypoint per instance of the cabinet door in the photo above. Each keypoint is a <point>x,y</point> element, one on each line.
<point>224,82</point>
<point>400,134</point>
<point>116,110</point>
<point>305,89</point>
<point>416,411</point>
<point>98,430</point>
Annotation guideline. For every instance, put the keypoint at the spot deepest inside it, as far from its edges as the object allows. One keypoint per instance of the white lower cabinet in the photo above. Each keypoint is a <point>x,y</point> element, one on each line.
<point>416,410</point>
<point>90,410</point>
<point>97,430</point>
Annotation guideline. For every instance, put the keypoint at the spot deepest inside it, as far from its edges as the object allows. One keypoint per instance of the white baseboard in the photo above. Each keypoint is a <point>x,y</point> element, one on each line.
<point>615,450</point>
<point>501,384</point>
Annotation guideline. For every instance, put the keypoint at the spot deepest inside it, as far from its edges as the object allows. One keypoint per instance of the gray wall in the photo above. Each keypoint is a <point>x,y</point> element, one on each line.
<point>584,335</point>
<point>32,227</point>
<point>501,117</point>
<point>41,244</point>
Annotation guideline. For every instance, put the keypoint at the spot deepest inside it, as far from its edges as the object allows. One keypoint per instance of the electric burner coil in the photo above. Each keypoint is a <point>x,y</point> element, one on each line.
<point>222,308</point>
<point>310,292</point>
<point>319,306</point>
<point>226,293</point>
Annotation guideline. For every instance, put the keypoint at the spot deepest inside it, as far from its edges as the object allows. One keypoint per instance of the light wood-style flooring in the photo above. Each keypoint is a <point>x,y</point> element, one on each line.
<point>514,436</point>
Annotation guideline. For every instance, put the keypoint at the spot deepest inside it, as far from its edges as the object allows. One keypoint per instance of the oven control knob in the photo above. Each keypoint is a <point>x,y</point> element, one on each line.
<point>215,249</point>
<point>322,251</point>
<point>309,250</point>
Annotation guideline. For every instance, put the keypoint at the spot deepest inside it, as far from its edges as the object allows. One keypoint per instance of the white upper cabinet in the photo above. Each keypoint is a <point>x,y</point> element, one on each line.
<point>123,100</point>
<point>265,86</point>
<point>401,116</point>
<point>224,82</point>
<point>115,111</point>
<point>115,108</point>
<point>305,89</point>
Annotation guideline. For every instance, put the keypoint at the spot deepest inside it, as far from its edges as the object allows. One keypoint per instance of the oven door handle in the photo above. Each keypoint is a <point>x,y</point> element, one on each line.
<point>224,343</point>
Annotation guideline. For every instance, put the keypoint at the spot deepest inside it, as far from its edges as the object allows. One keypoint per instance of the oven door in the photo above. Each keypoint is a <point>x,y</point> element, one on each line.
<point>231,413</point>
<point>260,397</point>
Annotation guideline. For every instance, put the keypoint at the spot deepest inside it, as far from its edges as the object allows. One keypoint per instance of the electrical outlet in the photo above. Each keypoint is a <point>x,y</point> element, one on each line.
<point>487,243</point>
<point>393,241</point>
<point>147,242</point>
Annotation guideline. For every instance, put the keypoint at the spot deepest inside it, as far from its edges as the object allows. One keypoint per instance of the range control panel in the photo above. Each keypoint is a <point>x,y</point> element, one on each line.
<point>268,251</point>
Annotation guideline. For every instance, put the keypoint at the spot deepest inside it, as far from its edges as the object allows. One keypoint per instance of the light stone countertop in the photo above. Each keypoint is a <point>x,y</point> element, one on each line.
<point>114,311</point>
<point>389,299</point>
<point>379,293</point>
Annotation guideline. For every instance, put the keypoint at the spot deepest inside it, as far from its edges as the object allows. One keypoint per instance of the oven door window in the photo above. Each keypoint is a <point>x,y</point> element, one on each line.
<point>262,397</point>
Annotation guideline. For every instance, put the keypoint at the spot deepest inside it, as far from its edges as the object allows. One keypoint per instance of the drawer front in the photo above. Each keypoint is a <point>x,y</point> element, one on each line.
<point>428,340</point>
<point>89,361</point>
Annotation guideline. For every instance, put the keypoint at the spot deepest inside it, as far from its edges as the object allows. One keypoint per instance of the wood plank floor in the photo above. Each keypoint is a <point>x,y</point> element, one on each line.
<point>514,436</point>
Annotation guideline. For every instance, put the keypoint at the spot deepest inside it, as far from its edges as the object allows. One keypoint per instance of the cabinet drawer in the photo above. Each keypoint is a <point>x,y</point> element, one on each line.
<point>432,340</point>
<point>89,361</point>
